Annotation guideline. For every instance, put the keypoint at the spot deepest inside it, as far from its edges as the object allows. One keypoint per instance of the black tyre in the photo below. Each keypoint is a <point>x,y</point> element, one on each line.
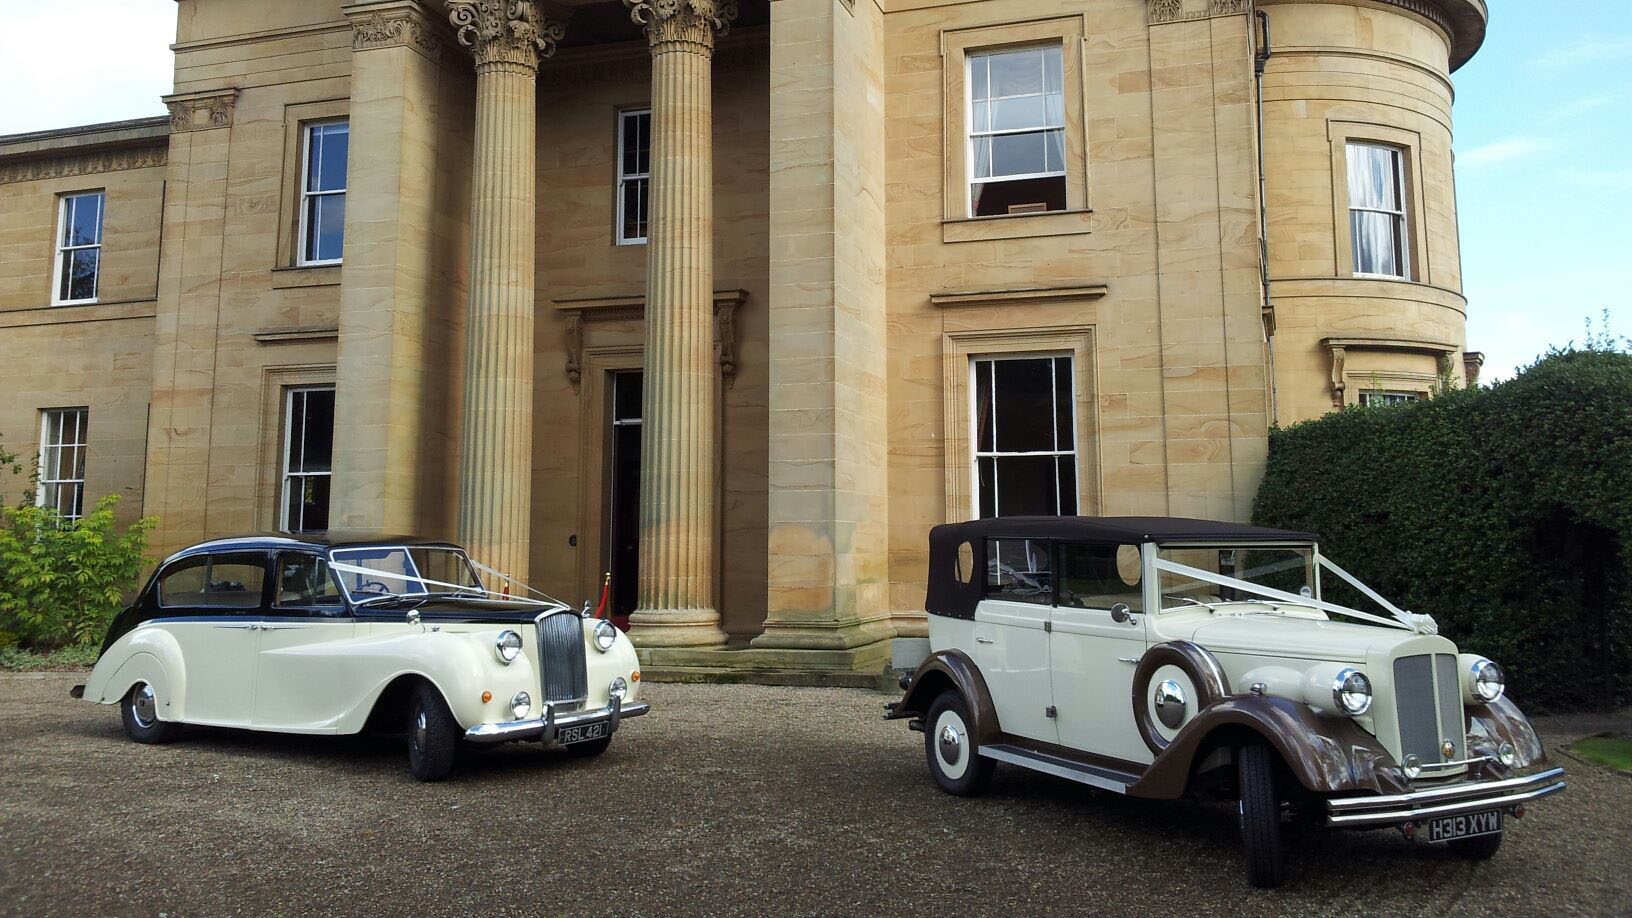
<point>589,749</point>
<point>1260,816</point>
<point>139,710</point>
<point>954,755</point>
<point>433,735</point>
<point>1477,848</point>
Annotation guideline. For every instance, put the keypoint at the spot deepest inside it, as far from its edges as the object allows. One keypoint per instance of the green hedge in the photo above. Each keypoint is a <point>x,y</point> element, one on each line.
<point>1505,512</point>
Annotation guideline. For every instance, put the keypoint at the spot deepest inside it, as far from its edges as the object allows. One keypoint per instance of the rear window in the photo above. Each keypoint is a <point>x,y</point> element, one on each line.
<point>1019,570</point>
<point>230,581</point>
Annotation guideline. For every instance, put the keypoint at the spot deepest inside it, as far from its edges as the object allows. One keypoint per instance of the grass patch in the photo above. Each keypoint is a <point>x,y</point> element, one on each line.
<point>1614,751</point>
<point>18,660</point>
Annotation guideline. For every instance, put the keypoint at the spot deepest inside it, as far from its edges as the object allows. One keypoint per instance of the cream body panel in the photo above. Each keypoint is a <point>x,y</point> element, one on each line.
<point>1093,659</point>
<point>300,685</point>
<point>220,659</point>
<point>148,655</point>
<point>946,633</point>
<point>1011,650</point>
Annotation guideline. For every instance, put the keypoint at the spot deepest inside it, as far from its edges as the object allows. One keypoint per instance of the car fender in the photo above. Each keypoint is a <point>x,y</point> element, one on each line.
<point>455,663</point>
<point>1492,723</point>
<point>954,669</point>
<point>148,655</point>
<point>1207,685</point>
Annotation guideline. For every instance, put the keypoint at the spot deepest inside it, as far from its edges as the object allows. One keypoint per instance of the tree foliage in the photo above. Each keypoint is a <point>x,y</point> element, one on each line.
<point>1503,511</point>
<point>62,581</point>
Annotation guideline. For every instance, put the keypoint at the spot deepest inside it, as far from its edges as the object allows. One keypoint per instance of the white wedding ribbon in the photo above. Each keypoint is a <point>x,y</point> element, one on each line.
<point>462,588</point>
<point>1288,598</point>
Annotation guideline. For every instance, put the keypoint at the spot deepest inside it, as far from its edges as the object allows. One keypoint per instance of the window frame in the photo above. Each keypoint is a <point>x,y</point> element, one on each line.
<point>1049,552</point>
<point>336,609</point>
<point>82,423</point>
<point>976,454</point>
<point>1399,220</point>
<point>623,179</point>
<point>1414,241</point>
<point>208,561</point>
<point>286,449</point>
<point>62,249</point>
<point>308,197</point>
<point>972,135</point>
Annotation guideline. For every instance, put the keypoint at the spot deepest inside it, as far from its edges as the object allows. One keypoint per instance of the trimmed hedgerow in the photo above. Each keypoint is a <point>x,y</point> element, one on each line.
<point>1505,512</point>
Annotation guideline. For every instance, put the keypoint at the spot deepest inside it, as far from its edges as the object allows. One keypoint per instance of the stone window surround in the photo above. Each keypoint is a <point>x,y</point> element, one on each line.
<point>1341,134</point>
<point>61,250</point>
<point>623,115</point>
<point>959,349</point>
<point>1348,383</point>
<point>956,44</point>
<point>50,480</point>
<point>275,383</point>
<point>297,116</point>
<point>286,474</point>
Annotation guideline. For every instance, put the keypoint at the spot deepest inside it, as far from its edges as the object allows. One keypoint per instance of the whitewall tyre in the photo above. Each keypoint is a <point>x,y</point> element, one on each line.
<point>1260,807</point>
<point>433,735</point>
<point>954,757</point>
<point>139,710</point>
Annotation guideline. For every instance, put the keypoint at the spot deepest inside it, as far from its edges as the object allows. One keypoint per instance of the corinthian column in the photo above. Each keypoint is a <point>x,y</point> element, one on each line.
<point>507,38</point>
<point>678,533</point>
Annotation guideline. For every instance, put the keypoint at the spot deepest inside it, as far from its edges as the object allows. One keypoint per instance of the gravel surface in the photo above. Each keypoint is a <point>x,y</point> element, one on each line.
<point>726,800</point>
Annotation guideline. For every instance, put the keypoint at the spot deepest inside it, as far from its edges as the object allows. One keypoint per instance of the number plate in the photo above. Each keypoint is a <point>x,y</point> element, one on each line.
<point>581,733</point>
<point>1450,828</point>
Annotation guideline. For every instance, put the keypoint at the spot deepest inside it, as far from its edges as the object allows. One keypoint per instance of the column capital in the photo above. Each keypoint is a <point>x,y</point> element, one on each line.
<point>694,22</point>
<point>505,31</point>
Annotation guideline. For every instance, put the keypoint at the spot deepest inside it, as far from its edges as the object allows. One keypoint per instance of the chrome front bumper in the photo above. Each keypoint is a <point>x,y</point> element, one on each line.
<point>1453,800</point>
<point>547,727</point>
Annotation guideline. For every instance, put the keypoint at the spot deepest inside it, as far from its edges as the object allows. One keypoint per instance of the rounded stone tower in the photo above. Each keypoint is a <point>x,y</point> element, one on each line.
<point>1364,259</point>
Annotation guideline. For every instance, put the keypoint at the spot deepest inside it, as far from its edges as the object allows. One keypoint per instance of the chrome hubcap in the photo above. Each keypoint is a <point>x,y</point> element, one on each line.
<point>144,706</point>
<point>950,741</point>
<point>421,728</point>
<point>1170,704</point>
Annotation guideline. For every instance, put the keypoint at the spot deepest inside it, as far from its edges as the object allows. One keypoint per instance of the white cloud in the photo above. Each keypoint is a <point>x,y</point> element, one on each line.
<point>1501,151</point>
<point>75,62</point>
<point>1589,50</point>
<point>1579,107</point>
<point>1614,178</point>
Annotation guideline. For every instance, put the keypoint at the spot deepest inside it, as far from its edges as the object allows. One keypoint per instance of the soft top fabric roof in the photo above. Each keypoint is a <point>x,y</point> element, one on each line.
<point>1123,529</point>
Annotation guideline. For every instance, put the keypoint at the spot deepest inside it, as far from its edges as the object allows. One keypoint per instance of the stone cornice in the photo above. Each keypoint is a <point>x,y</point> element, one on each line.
<point>683,22</point>
<point>90,163</point>
<point>1022,297</point>
<point>1463,21</point>
<point>396,24</point>
<point>85,150</point>
<point>201,111</point>
<point>505,31</point>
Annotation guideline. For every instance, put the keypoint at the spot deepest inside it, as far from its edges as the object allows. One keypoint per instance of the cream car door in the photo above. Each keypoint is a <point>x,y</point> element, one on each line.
<point>1011,637</point>
<point>301,683</point>
<point>213,605</point>
<point>1094,655</point>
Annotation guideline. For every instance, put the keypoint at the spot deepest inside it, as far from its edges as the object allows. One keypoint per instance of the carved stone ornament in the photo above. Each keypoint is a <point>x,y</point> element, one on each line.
<point>403,29</point>
<point>689,21</point>
<point>1187,10</point>
<point>505,31</point>
<point>83,164</point>
<point>202,112</point>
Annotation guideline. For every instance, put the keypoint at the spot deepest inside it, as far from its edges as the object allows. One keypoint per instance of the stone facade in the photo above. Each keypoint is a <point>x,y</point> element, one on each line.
<point>806,304</point>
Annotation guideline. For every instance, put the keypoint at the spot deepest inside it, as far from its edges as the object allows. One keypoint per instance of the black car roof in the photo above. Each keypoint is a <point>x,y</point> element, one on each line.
<point>314,541</point>
<point>1123,529</point>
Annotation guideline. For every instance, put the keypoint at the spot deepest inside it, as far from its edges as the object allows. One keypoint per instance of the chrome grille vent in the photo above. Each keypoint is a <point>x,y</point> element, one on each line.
<point>563,673</point>
<point>1428,699</point>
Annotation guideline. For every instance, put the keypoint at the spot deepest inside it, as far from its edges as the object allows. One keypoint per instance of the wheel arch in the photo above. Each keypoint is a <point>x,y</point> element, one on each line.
<point>952,669</point>
<point>388,709</point>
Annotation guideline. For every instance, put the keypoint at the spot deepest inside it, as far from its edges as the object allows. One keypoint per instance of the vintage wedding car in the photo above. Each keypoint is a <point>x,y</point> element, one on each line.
<point>332,635</point>
<point>1161,658</point>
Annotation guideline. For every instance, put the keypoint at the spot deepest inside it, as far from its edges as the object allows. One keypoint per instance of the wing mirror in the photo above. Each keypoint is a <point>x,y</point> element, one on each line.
<point>1121,614</point>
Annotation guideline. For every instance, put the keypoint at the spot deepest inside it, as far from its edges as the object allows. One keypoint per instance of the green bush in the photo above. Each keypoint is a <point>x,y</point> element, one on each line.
<point>1505,512</point>
<point>62,581</point>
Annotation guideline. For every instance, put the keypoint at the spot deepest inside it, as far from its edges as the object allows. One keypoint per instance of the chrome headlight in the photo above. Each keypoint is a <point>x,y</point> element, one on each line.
<point>606,634</point>
<point>521,704</point>
<point>508,647</point>
<point>1351,692</point>
<point>618,689</point>
<point>1488,682</point>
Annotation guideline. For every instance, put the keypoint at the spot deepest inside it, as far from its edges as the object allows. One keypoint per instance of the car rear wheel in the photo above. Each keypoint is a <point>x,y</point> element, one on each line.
<point>590,748</point>
<point>1478,848</point>
<point>433,735</point>
<point>139,710</point>
<point>1260,816</point>
<point>949,744</point>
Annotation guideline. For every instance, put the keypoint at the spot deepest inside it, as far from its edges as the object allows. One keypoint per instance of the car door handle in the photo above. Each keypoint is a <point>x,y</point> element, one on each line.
<point>244,626</point>
<point>1133,660</point>
<point>981,640</point>
<point>271,627</point>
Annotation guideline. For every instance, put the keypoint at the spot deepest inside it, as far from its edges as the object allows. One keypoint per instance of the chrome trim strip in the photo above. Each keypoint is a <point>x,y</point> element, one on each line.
<point>1454,792</point>
<point>545,728</point>
<point>1411,814</point>
<point>1049,768</point>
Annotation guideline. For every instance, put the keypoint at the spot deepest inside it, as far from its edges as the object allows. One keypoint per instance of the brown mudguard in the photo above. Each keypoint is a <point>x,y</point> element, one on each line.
<point>950,669</point>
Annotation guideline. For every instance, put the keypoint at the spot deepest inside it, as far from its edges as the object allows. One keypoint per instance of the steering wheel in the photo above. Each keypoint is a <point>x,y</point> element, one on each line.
<point>373,586</point>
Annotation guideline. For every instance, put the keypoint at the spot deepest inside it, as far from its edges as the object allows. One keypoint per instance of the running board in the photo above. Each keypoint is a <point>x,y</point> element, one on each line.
<point>1091,775</point>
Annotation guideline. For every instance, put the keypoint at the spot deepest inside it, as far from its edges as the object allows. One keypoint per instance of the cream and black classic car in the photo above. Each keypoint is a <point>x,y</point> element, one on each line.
<point>335,635</point>
<point>1164,658</point>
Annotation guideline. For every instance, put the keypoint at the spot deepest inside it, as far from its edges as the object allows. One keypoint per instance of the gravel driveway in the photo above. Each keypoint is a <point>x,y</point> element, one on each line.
<point>727,800</point>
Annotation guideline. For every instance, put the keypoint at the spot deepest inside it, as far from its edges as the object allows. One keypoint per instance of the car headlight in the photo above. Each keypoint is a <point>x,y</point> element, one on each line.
<point>618,689</point>
<point>521,704</point>
<point>508,647</point>
<point>1488,682</point>
<point>606,634</point>
<point>1351,691</point>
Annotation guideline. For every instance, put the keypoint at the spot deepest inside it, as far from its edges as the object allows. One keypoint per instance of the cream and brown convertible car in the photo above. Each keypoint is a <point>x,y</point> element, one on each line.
<point>1161,658</point>
<point>332,635</point>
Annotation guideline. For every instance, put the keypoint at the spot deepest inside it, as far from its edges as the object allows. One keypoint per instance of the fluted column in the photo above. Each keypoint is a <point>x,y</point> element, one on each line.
<point>678,517</point>
<point>507,38</point>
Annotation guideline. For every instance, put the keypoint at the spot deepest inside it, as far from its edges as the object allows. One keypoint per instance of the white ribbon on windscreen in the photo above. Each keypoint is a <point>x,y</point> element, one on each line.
<point>1174,567</point>
<point>461,588</point>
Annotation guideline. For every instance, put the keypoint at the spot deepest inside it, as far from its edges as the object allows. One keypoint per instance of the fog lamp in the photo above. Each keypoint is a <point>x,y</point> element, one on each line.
<point>618,689</point>
<point>521,704</point>
<point>1506,754</point>
<point>1412,766</point>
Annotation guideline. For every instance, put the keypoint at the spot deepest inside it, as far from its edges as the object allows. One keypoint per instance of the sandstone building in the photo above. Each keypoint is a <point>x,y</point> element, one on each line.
<point>731,298</point>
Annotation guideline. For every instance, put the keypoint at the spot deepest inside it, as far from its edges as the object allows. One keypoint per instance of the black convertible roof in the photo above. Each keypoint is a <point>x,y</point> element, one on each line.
<point>1121,529</point>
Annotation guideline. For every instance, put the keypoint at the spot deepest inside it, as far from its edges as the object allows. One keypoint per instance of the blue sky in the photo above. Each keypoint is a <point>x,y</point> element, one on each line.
<point>1543,137</point>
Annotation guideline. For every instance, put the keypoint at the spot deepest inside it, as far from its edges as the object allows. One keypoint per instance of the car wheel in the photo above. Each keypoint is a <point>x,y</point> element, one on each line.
<point>949,744</point>
<point>433,735</point>
<point>139,710</point>
<point>1260,816</point>
<point>590,748</point>
<point>1478,848</point>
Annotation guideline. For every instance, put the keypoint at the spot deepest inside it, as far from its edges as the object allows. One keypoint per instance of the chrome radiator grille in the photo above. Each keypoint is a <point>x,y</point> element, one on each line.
<point>1428,699</point>
<point>563,674</point>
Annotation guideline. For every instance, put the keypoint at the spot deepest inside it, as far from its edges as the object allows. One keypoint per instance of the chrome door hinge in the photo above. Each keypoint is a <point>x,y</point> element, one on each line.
<point>1048,627</point>
<point>1050,713</point>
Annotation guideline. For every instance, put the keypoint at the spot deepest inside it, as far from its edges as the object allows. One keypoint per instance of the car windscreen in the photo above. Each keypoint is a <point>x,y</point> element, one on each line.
<point>1289,569</point>
<point>365,573</point>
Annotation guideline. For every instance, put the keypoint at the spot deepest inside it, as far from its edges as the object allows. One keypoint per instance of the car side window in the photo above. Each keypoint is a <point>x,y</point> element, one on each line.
<point>304,581</point>
<point>1019,570</point>
<point>1100,576</point>
<point>224,581</point>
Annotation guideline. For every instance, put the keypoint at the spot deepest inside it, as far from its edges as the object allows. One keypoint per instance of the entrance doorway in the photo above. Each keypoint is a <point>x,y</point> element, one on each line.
<point>623,495</point>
